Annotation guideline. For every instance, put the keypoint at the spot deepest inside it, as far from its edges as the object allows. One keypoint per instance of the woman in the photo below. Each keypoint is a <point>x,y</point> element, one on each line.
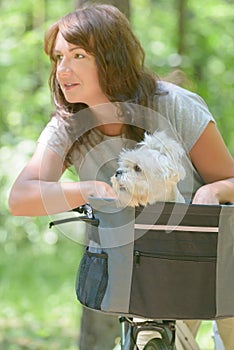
<point>98,62</point>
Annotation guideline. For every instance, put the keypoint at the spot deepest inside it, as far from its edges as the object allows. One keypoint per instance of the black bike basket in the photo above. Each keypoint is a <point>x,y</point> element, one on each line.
<point>164,261</point>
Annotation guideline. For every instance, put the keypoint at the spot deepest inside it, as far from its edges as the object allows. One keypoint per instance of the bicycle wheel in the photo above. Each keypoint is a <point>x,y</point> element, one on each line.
<point>155,344</point>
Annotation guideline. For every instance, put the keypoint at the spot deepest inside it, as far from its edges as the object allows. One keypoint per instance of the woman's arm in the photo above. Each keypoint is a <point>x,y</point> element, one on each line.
<point>215,165</point>
<point>37,190</point>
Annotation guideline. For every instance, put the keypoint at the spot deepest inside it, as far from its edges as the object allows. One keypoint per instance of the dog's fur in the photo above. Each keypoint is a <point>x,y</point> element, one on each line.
<point>150,172</point>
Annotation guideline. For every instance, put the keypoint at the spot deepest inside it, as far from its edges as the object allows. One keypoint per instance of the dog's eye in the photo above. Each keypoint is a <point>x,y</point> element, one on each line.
<point>137,168</point>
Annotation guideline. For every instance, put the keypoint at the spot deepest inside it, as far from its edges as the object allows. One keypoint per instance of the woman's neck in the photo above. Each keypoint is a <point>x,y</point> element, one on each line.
<point>114,129</point>
<point>108,120</point>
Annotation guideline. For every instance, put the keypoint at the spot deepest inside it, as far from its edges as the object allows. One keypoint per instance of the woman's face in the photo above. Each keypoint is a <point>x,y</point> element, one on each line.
<point>77,74</point>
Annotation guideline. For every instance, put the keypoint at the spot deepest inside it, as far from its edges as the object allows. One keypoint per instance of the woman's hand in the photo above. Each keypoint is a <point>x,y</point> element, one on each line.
<point>206,195</point>
<point>215,193</point>
<point>98,189</point>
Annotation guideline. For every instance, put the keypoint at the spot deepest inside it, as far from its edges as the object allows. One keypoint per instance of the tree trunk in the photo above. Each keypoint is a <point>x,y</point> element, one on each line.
<point>98,331</point>
<point>123,5</point>
<point>181,25</point>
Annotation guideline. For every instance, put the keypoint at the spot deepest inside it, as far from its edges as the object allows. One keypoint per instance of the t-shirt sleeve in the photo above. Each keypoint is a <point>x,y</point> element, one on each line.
<point>56,136</point>
<point>187,112</point>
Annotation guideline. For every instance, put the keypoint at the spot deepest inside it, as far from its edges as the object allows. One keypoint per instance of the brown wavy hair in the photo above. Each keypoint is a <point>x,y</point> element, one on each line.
<point>105,32</point>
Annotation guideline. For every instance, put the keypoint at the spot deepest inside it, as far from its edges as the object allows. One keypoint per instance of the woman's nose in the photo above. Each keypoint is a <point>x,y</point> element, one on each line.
<point>63,67</point>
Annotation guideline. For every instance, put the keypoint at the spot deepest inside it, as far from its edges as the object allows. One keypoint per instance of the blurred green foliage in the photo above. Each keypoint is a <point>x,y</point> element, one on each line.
<point>38,308</point>
<point>204,50</point>
<point>207,49</point>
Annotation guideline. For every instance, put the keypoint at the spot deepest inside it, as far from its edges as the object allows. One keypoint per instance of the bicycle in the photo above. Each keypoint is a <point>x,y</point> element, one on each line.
<point>166,328</point>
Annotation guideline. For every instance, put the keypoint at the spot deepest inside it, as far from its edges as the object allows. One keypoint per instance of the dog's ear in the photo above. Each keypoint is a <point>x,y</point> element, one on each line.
<point>165,144</point>
<point>171,150</point>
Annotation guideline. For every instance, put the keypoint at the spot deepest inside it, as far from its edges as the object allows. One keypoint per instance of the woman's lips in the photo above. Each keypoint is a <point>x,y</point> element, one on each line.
<point>70,86</point>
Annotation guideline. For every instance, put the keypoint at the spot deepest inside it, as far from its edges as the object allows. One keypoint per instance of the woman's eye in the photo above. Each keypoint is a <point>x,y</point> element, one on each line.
<point>58,57</point>
<point>79,56</point>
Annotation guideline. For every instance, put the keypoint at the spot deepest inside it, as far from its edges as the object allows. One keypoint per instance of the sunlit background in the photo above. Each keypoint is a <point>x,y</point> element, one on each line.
<point>38,307</point>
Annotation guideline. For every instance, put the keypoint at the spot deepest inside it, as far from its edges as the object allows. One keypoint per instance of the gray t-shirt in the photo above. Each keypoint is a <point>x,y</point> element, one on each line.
<point>183,114</point>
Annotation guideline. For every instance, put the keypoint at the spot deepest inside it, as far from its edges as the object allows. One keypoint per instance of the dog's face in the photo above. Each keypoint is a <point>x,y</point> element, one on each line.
<point>150,172</point>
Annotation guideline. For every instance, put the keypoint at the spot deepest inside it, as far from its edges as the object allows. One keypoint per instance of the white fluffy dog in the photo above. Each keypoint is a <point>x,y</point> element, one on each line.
<point>150,172</point>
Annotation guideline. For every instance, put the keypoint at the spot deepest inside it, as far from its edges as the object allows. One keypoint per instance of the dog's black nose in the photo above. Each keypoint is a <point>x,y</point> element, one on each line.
<point>118,172</point>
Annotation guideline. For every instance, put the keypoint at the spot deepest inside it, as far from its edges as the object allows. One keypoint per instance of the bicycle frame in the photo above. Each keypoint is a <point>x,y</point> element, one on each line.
<point>130,330</point>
